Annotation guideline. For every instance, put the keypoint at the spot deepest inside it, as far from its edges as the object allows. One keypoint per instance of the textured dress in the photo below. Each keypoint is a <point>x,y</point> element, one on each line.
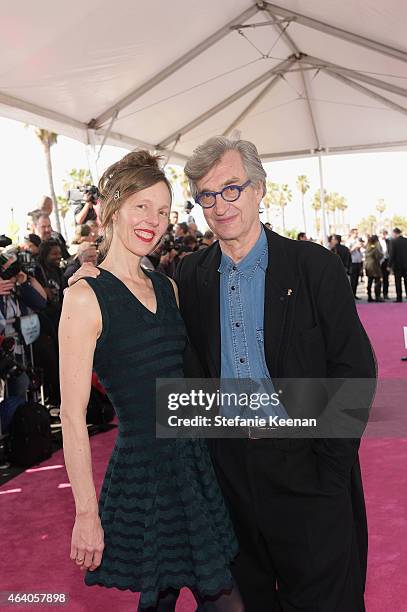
<point>163,515</point>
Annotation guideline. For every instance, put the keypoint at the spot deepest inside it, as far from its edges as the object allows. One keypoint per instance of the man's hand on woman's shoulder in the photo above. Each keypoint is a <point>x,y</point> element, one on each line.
<point>86,269</point>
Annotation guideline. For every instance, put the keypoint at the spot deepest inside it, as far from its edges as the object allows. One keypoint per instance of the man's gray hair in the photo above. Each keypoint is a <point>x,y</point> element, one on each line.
<point>205,156</point>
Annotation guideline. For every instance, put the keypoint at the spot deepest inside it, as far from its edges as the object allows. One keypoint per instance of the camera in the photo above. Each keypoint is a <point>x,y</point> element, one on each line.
<point>168,243</point>
<point>27,262</point>
<point>23,262</point>
<point>5,241</point>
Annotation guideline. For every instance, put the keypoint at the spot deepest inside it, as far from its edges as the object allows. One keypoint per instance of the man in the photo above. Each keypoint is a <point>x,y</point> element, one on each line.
<point>187,210</point>
<point>181,230</point>
<point>302,236</point>
<point>174,217</point>
<point>354,245</point>
<point>43,229</point>
<point>207,239</point>
<point>335,246</point>
<point>258,305</point>
<point>19,294</point>
<point>398,262</point>
<point>384,241</point>
<point>86,210</point>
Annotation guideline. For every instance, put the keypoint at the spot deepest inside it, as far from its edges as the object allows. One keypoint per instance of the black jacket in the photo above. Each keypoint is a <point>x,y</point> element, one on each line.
<point>344,253</point>
<point>311,326</point>
<point>398,254</point>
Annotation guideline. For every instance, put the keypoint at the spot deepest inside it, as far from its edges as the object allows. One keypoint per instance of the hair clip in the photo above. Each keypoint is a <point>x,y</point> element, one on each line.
<point>116,195</point>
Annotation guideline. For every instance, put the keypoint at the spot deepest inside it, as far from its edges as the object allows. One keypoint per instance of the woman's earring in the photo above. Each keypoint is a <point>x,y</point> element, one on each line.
<point>116,195</point>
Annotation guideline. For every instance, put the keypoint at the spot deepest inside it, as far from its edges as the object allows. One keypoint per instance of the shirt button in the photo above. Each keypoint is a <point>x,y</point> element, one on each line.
<point>233,287</point>
<point>281,299</point>
<point>237,324</point>
<point>242,359</point>
<point>234,268</point>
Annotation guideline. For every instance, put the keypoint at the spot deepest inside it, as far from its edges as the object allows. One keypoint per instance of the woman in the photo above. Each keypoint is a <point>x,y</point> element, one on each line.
<point>48,270</point>
<point>373,258</point>
<point>161,523</point>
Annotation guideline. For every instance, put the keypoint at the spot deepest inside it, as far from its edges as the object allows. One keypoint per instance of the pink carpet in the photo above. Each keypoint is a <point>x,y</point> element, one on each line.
<point>37,509</point>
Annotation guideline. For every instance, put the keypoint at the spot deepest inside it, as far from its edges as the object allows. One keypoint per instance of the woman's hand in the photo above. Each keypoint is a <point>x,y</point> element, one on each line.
<point>86,269</point>
<point>87,543</point>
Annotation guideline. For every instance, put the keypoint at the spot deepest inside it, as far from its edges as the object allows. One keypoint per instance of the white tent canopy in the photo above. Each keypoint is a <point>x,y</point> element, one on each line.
<point>296,77</point>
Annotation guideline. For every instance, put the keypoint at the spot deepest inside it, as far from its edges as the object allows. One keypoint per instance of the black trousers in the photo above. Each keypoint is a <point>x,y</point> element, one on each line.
<point>385,275</point>
<point>354,276</point>
<point>377,286</point>
<point>398,275</point>
<point>302,537</point>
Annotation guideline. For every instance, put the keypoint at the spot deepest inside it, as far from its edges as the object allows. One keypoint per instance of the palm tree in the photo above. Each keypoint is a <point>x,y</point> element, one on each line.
<point>381,207</point>
<point>48,139</point>
<point>316,205</point>
<point>271,197</point>
<point>303,186</point>
<point>342,205</point>
<point>284,197</point>
<point>178,176</point>
<point>334,204</point>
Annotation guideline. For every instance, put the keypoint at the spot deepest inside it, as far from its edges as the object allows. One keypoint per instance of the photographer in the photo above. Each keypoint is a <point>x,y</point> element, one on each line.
<point>43,229</point>
<point>19,295</point>
<point>85,211</point>
<point>48,271</point>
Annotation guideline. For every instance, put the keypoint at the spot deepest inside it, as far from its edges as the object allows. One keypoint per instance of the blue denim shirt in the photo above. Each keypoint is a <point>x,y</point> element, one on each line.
<point>242,313</point>
<point>242,288</point>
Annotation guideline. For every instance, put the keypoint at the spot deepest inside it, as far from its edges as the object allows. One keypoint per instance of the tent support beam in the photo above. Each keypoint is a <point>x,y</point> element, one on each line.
<point>362,148</point>
<point>42,112</point>
<point>176,65</point>
<point>227,102</point>
<point>334,31</point>
<point>293,46</point>
<point>353,74</point>
<point>106,136</point>
<point>252,104</point>
<point>366,91</point>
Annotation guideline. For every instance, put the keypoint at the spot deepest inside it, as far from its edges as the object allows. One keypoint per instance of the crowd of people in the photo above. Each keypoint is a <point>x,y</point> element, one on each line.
<point>375,258</point>
<point>38,283</point>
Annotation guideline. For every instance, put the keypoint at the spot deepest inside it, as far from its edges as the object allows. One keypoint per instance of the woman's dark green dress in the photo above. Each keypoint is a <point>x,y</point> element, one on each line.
<point>162,512</point>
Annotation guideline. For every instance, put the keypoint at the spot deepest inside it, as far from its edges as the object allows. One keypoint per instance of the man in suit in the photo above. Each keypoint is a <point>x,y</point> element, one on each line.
<point>258,305</point>
<point>335,246</point>
<point>398,261</point>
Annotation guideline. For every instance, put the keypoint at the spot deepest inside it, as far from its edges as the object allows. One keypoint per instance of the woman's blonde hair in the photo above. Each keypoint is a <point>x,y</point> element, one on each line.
<point>137,170</point>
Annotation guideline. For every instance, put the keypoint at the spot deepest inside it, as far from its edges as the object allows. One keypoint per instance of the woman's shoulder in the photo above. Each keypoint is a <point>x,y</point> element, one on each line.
<point>80,295</point>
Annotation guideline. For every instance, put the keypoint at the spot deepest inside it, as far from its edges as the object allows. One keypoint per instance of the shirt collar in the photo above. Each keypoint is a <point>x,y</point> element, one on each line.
<point>256,257</point>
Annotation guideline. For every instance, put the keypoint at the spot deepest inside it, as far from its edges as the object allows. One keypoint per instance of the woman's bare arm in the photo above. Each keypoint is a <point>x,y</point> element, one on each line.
<point>79,328</point>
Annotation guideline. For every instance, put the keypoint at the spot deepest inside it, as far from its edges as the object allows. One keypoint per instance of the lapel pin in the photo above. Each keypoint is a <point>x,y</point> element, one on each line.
<point>289,291</point>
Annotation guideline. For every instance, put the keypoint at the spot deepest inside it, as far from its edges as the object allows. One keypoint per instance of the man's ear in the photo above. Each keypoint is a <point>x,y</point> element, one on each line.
<point>258,189</point>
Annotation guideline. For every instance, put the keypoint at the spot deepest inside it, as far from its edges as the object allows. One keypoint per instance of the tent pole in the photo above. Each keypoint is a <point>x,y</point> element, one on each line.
<point>321,187</point>
<point>166,72</point>
<point>92,156</point>
<point>327,28</point>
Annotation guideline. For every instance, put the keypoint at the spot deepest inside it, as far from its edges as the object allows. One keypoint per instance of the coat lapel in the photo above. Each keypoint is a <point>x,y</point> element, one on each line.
<point>208,279</point>
<point>280,295</point>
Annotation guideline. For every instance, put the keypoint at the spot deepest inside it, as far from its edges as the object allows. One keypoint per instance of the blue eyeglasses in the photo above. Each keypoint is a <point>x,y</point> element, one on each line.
<point>230,193</point>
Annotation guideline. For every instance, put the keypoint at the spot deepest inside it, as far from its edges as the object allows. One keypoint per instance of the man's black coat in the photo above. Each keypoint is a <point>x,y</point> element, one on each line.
<point>398,254</point>
<point>311,330</point>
